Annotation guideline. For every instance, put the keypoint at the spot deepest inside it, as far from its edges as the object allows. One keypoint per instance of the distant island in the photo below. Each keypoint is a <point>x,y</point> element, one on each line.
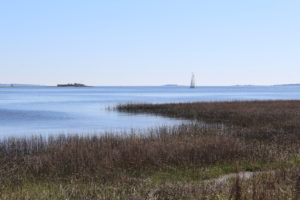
<point>72,85</point>
<point>20,85</point>
<point>170,85</point>
<point>292,84</point>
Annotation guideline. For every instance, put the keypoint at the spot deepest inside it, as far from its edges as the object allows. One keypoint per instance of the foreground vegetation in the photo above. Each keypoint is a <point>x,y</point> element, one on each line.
<point>181,162</point>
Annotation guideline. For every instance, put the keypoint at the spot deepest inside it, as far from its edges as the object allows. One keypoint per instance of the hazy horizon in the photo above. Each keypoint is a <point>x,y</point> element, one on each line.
<point>140,43</point>
<point>162,85</point>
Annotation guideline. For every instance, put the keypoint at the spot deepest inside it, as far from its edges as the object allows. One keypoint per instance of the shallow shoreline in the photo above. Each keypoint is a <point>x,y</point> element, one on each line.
<point>184,161</point>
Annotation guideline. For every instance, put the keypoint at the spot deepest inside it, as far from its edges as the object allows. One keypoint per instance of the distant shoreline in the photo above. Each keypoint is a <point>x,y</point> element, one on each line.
<point>166,85</point>
<point>72,85</point>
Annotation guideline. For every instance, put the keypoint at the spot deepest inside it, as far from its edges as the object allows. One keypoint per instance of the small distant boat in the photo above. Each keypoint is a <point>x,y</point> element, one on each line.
<point>193,84</point>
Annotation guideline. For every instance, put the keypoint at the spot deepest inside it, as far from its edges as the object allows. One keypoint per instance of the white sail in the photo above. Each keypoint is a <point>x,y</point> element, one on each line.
<point>193,84</point>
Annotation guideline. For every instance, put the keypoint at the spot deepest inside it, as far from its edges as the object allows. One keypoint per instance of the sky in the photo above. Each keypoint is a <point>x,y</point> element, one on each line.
<point>150,42</point>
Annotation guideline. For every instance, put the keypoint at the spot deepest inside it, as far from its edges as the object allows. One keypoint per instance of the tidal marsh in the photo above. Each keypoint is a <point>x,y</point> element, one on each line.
<point>167,162</point>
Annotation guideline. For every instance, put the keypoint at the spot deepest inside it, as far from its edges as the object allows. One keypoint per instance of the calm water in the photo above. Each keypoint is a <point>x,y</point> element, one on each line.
<point>50,110</point>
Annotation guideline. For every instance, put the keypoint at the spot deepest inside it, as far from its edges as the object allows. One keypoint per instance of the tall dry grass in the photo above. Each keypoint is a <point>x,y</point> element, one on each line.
<point>254,133</point>
<point>264,118</point>
<point>181,147</point>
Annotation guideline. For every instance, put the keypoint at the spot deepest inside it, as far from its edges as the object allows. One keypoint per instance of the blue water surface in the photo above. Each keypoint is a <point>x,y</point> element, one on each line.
<point>52,110</point>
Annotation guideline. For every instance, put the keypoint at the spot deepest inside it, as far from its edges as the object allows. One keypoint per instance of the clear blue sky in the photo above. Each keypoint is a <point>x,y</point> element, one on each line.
<point>150,42</point>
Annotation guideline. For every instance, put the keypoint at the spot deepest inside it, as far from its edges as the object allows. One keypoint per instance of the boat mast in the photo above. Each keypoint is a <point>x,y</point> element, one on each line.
<point>193,85</point>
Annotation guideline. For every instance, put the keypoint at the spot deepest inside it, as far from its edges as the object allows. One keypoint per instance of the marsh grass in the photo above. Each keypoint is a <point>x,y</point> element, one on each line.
<point>166,162</point>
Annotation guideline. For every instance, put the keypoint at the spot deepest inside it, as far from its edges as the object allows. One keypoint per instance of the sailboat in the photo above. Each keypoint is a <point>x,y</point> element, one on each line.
<point>193,84</point>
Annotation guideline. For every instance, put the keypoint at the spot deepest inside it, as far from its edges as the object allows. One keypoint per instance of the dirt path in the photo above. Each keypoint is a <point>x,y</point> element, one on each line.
<point>242,175</point>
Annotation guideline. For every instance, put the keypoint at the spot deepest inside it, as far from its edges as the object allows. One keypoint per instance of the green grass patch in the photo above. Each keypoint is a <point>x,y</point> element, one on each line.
<point>218,170</point>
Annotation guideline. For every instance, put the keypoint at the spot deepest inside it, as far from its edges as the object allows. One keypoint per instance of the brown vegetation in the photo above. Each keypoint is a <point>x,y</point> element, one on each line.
<point>266,119</point>
<point>167,162</point>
